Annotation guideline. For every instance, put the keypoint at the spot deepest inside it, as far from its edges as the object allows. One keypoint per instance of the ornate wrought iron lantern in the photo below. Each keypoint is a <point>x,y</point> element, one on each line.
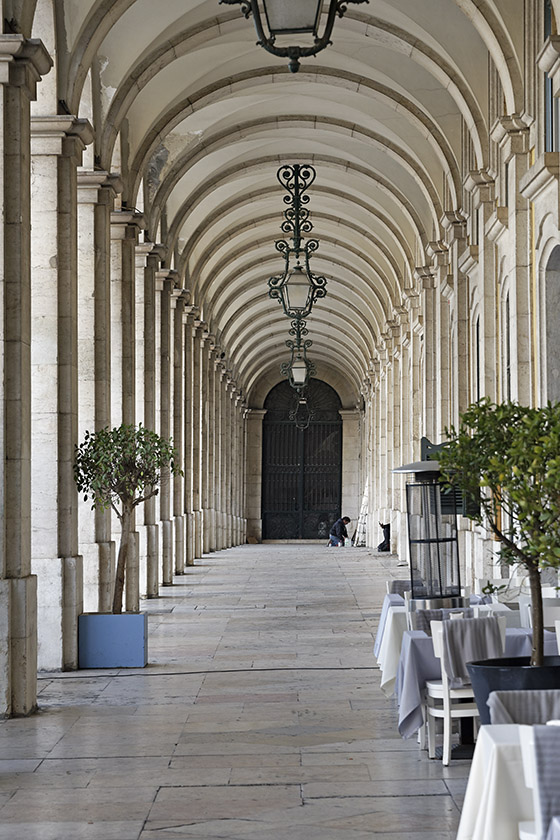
<point>297,288</point>
<point>299,368</point>
<point>293,17</point>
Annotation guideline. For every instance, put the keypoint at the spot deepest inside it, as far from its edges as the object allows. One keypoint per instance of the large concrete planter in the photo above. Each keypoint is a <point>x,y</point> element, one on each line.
<point>510,674</point>
<point>112,641</point>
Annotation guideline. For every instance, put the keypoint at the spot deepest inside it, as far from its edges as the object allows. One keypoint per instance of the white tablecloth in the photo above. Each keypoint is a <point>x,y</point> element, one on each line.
<point>390,648</point>
<point>554,829</point>
<point>390,600</point>
<point>496,799</point>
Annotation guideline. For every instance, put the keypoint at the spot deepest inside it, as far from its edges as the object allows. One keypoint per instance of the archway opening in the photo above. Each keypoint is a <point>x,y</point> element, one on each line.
<point>302,468</point>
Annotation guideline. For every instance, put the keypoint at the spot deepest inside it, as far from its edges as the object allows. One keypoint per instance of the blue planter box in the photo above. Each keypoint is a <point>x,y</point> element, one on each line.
<point>112,641</point>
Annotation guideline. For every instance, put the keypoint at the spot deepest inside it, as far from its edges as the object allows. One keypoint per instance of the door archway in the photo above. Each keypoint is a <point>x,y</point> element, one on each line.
<point>301,468</point>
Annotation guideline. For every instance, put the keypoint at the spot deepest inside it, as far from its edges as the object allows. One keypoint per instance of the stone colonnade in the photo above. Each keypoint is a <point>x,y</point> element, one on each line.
<point>97,331</point>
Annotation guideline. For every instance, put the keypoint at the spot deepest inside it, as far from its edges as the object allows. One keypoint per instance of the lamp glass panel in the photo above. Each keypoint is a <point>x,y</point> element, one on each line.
<point>297,290</point>
<point>299,371</point>
<point>289,16</point>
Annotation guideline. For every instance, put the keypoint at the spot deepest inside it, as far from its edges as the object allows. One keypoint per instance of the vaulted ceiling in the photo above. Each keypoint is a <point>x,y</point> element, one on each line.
<point>199,119</point>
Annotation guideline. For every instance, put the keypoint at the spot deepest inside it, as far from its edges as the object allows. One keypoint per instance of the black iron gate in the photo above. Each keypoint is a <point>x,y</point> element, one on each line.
<point>301,467</point>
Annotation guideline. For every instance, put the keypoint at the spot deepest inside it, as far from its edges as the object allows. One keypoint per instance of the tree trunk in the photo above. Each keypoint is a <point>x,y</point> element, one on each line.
<point>126,522</point>
<point>536,616</point>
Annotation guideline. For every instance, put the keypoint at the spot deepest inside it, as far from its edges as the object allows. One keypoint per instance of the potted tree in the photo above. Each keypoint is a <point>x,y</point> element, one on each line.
<point>119,468</point>
<point>505,458</point>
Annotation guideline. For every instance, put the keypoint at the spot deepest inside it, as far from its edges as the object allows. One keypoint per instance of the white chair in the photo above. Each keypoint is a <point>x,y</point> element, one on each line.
<point>445,703</point>
<point>512,617</point>
<point>551,612</point>
<point>557,628</point>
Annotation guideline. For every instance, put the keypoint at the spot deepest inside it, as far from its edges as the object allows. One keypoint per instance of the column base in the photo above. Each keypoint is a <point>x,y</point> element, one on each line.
<point>167,552</point>
<point>190,538</point>
<point>23,646</point>
<point>152,561</point>
<point>179,529</point>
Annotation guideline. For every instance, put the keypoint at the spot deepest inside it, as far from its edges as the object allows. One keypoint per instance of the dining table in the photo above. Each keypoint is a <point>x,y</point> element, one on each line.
<point>496,799</point>
<point>418,664</point>
<point>390,600</point>
<point>554,829</point>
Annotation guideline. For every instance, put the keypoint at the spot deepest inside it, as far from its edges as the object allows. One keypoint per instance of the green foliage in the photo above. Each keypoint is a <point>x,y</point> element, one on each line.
<point>508,457</point>
<point>122,466</point>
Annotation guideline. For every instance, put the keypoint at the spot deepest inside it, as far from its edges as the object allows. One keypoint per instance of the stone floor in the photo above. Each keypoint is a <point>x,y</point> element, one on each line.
<point>259,716</point>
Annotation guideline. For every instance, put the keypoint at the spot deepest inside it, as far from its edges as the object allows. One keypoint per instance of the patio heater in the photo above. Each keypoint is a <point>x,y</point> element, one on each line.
<point>432,539</point>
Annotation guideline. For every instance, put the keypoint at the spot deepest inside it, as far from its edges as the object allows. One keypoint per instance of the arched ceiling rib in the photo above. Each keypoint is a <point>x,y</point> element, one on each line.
<point>201,118</point>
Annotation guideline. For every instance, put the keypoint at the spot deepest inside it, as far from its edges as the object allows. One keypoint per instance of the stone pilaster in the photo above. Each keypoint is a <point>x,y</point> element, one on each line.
<point>22,63</point>
<point>482,188</point>
<point>427,282</point>
<point>57,144</point>
<point>254,472</point>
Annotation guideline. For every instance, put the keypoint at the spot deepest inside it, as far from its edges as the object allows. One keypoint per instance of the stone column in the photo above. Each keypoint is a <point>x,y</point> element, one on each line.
<point>188,319</point>
<point>236,468</point>
<point>125,229</point>
<point>228,448</point>
<point>167,302</point>
<point>207,441</point>
<point>22,63</point>
<point>198,342</point>
<point>57,144</point>
<point>150,333</point>
<point>254,473</point>
<point>96,194</point>
<point>218,460</point>
<point>179,518</point>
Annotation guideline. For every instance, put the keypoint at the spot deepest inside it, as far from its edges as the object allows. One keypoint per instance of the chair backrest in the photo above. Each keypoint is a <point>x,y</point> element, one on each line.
<point>526,707</point>
<point>512,586</point>
<point>551,612</point>
<point>557,628</point>
<point>525,610</point>
<point>421,619</point>
<point>512,617</point>
<point>437,634</point>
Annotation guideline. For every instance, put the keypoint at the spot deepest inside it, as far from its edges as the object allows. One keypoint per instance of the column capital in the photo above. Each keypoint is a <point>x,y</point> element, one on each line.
<point>127,224</point>
<point>511,133</point>
<point>98,187</point>
<point>60,135</point>
<point>426,275</point>
<point>166,275</point>
<point>23,61</point>
<point>481,185</point>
